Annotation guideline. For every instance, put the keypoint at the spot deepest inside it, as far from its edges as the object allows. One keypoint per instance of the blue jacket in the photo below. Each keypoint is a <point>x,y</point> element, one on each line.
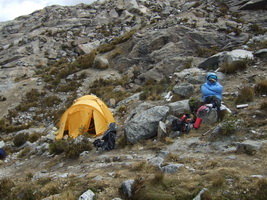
<point>211,89</point>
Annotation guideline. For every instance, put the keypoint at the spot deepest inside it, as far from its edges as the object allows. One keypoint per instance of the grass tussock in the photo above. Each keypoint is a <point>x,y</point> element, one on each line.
<point>20,139</point>
<point>7,127</point>
<point>70,148</point>
<point>105,89</point>
<point>263,107</point>
<point>256,29</point>
<point>152,90</point>
<point>188,63</point>
<point>50,101</point>
<point>257,45</point>
<point>166,187</point>
<point>34,137</point>
<point>234,67</point>
<point>158,178</point>
<point>207,52</point>
<point>117,40</point>
<point>261,87</point>
<point>6,185</point>
<point>246,95</point>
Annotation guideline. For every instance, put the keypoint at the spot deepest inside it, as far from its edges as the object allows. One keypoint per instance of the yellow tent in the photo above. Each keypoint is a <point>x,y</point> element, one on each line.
<point>88,112</point>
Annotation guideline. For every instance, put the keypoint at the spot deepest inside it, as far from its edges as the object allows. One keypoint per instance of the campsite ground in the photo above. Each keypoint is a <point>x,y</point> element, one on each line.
<point>205,164</point>
<point>213,165</point>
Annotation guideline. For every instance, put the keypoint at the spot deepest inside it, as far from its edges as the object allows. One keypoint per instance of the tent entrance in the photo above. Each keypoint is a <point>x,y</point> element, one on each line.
<point>91,129</point>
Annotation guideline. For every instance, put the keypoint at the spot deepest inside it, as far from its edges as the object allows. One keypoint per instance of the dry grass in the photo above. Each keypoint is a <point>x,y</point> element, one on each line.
<point>233,67</point>
<point>5,186</point>
<point>263,107</point>
<point>246,95</point>
<point>255,28</point>
<point>207,52</point>
<point>261,87</point>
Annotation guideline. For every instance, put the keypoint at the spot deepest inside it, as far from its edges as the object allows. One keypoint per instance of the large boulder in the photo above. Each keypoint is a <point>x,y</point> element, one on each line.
<point>179,107</point>
<point>184,89</point>
<point>217,60</point>
<point>254,5</point>
<point>143,123</point>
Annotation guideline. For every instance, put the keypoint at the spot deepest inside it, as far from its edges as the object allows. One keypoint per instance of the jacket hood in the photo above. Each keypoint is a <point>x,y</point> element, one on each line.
<point>211,75</point>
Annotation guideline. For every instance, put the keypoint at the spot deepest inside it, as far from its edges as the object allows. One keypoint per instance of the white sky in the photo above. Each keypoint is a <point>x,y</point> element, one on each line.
<point>10,9</point>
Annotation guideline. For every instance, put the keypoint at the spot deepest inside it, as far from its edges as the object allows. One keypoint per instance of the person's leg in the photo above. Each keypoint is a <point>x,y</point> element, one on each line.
<point>215,101</point>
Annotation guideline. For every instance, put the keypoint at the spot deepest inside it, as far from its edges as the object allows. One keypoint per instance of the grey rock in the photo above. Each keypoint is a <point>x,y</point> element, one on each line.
<point>179,107</point>
<point>198,197</point>
<point>88,195</point>
<point>171,168</point>
<point>156,161</point>
<point>127,187</point>
<point>185,89</point>
<point>162,132</point>
<point>143,123</point>
<point>249,147</point>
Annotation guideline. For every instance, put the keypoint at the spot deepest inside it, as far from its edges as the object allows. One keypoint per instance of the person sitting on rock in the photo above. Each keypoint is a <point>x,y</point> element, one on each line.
<point>212,91</point>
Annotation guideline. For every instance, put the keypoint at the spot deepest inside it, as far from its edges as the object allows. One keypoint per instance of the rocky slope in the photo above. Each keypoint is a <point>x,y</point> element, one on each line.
<point>140,51</point>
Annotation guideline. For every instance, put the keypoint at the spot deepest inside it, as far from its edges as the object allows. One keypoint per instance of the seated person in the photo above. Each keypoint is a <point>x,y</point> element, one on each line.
<point>212,91</point>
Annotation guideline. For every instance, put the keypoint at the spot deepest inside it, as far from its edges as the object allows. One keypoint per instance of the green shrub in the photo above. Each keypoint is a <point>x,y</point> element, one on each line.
<point>229,126</point>
<point>233,67</point>
<point>58,147</point>
<point>33,95</point>
<point>85,61</point>
<point>50,101</point>
<point>261,87</point>
<point>34,137</point>
<point>70,86</point>
<point>105,89</point>
<point>25,106</point>
<point>74,149</point>
<point>246,95</point>
<point>152,90</point>
<point>71,148</point>
<point>20,139</point>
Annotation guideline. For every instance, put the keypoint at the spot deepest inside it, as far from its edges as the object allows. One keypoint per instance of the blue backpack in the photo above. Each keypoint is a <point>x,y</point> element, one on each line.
<point>2,153</point>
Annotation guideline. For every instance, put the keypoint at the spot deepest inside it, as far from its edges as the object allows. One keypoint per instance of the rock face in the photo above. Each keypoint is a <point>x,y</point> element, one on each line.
<point>172,35</point>
<point>125,46</point>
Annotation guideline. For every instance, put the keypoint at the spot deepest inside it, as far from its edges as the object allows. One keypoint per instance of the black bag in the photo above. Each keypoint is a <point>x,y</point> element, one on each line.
<point>177,125</point>
<point>107,142</point>
<point>183,124</point>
